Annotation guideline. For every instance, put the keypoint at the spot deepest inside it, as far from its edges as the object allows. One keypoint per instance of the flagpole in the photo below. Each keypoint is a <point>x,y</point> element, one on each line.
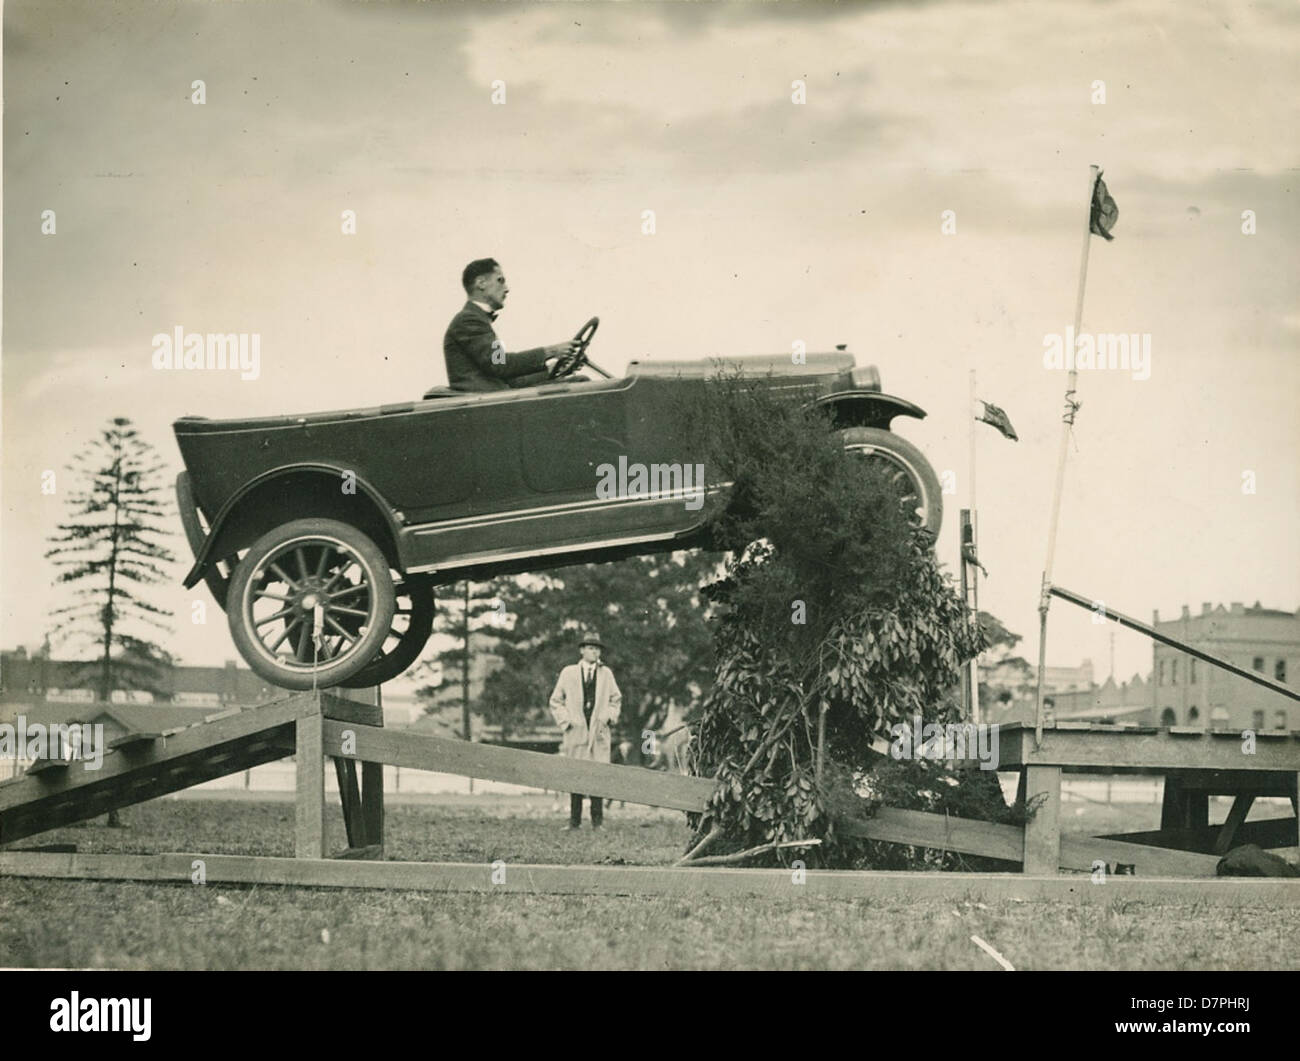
<point>1067,422</point>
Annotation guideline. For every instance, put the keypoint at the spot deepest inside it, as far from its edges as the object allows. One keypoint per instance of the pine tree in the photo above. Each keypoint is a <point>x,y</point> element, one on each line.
<point>110,547</point>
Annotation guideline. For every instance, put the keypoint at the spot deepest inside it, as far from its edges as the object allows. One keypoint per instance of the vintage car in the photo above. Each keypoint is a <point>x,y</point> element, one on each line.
<point>323,535</point>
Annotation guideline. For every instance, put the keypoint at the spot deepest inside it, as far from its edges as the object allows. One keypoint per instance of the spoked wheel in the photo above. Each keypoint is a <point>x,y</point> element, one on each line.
<point>918,486</point>
<point>217,575</point>
<point>412,625</point>
<point>311,604</point>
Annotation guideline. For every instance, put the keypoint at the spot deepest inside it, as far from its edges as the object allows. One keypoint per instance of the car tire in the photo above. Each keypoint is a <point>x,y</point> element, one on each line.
<point>878,443</point>
<point>307,559</point>
<point>414,597</point>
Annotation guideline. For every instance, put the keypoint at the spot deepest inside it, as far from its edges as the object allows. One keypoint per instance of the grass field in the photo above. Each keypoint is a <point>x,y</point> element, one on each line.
<point>137,926</point>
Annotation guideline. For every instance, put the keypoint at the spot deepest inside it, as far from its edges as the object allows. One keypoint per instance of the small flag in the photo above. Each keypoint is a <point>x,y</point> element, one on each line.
<point>995,416</point>
<point>1104,210</point>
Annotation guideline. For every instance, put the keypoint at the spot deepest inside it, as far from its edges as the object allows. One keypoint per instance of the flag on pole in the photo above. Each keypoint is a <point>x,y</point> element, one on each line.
<point>1104,210</point>
<point>995,416</point>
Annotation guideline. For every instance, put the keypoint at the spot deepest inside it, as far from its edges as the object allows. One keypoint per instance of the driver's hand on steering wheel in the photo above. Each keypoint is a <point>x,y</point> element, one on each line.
<point>561,350</point>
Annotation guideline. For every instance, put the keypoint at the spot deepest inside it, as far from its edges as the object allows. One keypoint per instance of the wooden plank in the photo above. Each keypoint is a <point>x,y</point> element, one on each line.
<point>133,741</point>
<point>371,851</point>
<point>351,708</point>
<point>555,772</point>
<point>921,829</point>
<point>1233,782</point>
<point>1043,830</point>
<point>1266,833</point>
<point>940,833</point>
<point>1080,852</point>
<point>1136,749</point>
<point>1265,894</point>
<point>47,766</point>
<point>1240,808</point>
<point>309,819</point>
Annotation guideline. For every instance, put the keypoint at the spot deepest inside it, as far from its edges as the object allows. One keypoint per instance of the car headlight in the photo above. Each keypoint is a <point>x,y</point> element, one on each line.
<point>866,377</point>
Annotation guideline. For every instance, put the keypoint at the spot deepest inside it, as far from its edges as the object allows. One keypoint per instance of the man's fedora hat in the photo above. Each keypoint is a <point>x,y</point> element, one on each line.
<point>591,639</point>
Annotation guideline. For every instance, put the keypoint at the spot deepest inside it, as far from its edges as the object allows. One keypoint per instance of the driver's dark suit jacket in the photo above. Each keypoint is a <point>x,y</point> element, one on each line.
<point>467,347</point>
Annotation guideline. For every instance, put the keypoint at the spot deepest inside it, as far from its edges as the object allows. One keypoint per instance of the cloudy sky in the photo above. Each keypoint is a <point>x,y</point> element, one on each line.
<point>775,222</point>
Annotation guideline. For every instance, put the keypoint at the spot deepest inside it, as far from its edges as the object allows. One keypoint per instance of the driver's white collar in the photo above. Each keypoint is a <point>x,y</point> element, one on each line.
<point>484,307</point>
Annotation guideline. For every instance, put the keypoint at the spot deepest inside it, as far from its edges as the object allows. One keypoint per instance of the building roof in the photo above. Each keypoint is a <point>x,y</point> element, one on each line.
<point>134,718</point>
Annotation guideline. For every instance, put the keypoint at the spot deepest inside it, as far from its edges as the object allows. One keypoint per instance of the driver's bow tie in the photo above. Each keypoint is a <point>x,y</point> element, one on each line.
<point>492,316</point>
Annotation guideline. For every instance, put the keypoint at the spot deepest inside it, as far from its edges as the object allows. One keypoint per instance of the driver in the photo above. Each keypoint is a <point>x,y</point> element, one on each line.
<point>476,359</point>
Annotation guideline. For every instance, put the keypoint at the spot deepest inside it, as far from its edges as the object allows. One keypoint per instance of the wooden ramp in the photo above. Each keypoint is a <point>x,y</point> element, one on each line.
<point>141,766</point>
<point>311,726</point>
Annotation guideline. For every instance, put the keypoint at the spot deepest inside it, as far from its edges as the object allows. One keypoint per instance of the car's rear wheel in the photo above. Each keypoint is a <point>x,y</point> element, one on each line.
<point>918,486</point>
<point>412,625</point>
<point>311,603</point>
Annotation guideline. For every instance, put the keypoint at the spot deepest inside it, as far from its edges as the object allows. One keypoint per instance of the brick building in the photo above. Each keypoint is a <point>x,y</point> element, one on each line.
<point>1189,692</point>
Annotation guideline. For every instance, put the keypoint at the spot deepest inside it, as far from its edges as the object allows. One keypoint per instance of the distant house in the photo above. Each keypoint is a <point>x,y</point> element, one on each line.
<point>1190,692</point>
<point>38,679</point>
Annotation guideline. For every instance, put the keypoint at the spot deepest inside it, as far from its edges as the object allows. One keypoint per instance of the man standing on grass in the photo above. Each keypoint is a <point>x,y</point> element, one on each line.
<point>585,704</point>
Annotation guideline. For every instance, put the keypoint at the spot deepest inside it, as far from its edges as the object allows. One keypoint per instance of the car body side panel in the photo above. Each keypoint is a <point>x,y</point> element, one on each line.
<point>489,481</point>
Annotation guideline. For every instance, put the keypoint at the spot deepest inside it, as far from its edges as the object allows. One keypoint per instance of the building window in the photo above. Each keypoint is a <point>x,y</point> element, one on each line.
<point>1219,718</point>
<point>1192,668</point>
<point>1193,716</point>
<point>1279,671</point>
<point>1258,664</point>
<point>1257,720</point>
<point>1279,720</point>
<point>1160,673</point>
<point>1168,718</point>
<point>1173,672</point>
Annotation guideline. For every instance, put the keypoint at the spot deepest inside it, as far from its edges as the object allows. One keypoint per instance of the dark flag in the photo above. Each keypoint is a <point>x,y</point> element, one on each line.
<point>995,416</point>
<point>1104,210</point>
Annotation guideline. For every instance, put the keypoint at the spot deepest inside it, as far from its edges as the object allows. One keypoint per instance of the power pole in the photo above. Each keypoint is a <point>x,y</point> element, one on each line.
<point>464,670</point>
<point>464,676</point>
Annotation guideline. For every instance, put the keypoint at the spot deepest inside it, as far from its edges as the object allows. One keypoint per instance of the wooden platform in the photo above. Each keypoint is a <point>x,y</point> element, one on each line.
<point>529,879</point>
<point>1195,763</point>
<point>315,727</point>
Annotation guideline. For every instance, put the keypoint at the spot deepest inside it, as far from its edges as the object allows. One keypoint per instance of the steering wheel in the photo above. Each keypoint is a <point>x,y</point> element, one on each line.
<point>566,366</point>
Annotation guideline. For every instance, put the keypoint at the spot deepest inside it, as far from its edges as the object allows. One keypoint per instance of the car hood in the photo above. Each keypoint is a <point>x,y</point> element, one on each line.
<point>831,364</point>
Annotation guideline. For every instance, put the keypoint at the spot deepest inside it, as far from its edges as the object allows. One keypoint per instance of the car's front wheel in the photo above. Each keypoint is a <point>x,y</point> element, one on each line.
<point>310,603</point>
<point>918,486</point>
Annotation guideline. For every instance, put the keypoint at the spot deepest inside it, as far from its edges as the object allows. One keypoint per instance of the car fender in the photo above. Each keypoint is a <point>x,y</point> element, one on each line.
<point>226,515</point>
<point>858,408</point>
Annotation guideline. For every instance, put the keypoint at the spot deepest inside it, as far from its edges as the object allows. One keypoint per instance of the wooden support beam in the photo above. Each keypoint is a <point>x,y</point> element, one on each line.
<point>373,851</point>
<point>1043,829</point>
<point>345,770</point>
<point>309,821</point>
<point>1263,894</point>
<point>1080,852</point>
<point>1131,748</point>
<point>990,840</point>
<point>1265,833</point>
<point>554,772</point>
<point>133,741</point>
<point>372,804</point>
<point>1236,816</point>
<point>940,833</point>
